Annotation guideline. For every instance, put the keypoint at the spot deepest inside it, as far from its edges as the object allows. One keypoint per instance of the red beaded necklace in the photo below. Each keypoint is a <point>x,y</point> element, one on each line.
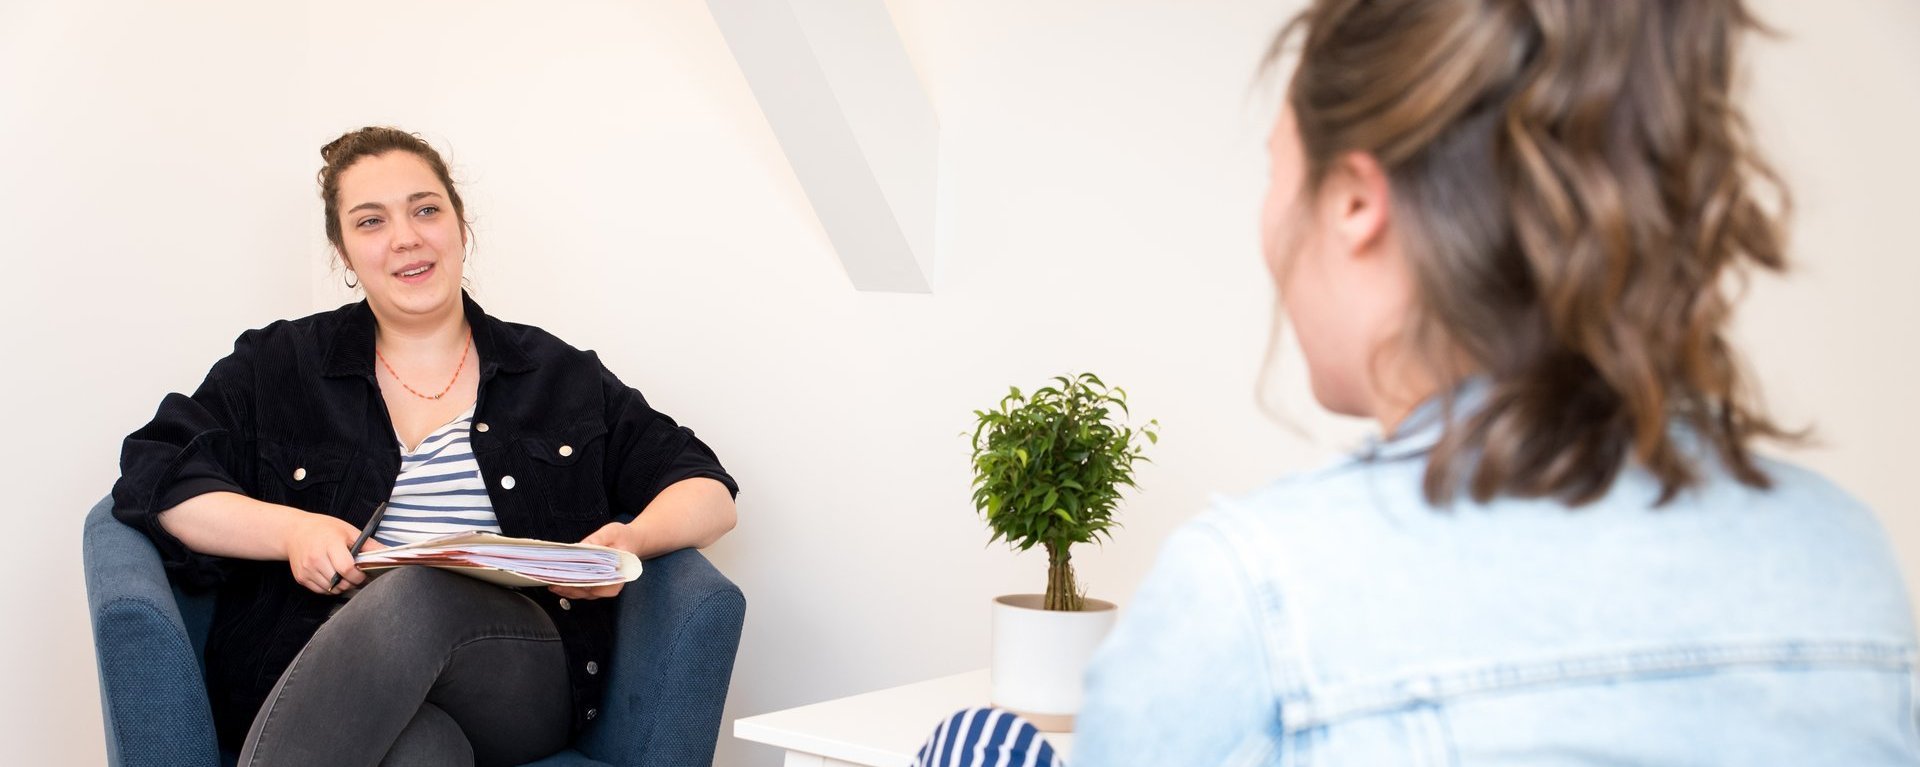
<point>443,392</point>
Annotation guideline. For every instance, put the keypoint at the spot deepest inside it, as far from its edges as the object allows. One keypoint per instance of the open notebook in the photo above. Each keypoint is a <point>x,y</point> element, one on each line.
<point>512,561</point>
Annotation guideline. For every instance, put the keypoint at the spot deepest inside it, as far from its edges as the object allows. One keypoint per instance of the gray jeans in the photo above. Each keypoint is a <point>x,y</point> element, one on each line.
<point>422,667</point>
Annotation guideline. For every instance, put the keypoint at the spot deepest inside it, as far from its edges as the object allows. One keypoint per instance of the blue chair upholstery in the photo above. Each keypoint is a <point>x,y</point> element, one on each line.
<point>679,630</point>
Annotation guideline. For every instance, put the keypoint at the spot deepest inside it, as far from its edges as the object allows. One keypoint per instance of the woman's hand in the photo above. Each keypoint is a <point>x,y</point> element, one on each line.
<point>318,546</point>
<point>314,546</point>
<point>613,535</point>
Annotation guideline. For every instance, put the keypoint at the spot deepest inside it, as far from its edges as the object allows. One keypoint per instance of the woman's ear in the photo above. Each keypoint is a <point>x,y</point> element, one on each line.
<point>1356,203</point>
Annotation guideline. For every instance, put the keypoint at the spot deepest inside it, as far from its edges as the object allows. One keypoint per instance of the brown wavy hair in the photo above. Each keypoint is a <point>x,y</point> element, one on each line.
<point>1573,184</point>
<point>373,141</point>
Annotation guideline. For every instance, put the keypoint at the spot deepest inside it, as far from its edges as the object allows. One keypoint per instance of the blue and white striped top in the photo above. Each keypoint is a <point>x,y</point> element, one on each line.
<point>440,490</point>
<point>987,737</point>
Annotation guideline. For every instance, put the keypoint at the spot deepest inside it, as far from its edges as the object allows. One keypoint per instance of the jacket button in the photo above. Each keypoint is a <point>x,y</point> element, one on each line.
<point>506,482</point>
<point>480,427</point>
<point>592,668</point>
<point>566,450</point>
<point>300,474</point>
<point>566,604</point>
<point>592,712</point>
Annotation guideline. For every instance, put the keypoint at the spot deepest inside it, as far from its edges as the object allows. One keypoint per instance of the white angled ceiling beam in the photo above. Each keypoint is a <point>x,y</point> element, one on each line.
<point>835,83</point>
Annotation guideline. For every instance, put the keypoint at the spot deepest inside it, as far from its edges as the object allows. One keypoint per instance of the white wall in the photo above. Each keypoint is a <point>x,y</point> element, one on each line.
<point>138,159</point>
<point>1102,165</point>
<point>1836,101</point>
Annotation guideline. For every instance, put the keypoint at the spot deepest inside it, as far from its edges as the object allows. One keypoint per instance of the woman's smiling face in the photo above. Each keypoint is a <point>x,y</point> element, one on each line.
<point>399,233</point>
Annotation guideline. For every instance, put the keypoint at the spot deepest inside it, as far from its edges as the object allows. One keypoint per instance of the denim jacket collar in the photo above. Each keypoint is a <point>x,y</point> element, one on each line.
<point>350,353</point>
<point>1422,429</point>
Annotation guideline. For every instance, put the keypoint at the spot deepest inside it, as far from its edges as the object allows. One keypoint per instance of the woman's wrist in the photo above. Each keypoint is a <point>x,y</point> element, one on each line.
<point>638,536</point>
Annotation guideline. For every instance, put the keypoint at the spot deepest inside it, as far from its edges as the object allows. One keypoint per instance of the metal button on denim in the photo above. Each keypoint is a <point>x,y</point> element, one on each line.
<point>566,450</point>
<point>566,604</point>
<point>300,474</point>
<point>480,427</point>
<point>593,668</point>
<point>506,482</point>
<point>592,712</point>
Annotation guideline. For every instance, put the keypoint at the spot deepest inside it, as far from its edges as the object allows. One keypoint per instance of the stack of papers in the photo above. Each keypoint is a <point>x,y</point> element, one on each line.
<point>512,561</point>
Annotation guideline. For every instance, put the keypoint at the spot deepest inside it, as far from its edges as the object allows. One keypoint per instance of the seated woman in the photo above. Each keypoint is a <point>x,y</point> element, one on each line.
<point>259,483</point>
<point>1502,230</point>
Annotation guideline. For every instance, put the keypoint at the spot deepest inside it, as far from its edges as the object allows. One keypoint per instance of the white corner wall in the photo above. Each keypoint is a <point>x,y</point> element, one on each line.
<point>1101,170</point>
<point>140,145</point>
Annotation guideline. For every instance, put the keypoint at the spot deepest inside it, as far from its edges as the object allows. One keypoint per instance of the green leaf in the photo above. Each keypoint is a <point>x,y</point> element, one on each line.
<point>1049,467</point>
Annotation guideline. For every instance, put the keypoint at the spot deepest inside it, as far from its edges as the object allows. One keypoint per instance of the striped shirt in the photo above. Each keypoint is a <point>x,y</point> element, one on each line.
<point>439,490</point>
<point>987,737</point>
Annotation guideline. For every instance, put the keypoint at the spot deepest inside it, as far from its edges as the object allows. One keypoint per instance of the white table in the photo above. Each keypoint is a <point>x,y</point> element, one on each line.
<point>875,729</point>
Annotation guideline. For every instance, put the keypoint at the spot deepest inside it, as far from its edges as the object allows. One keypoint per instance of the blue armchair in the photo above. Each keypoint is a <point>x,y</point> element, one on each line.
<point>679,630</point>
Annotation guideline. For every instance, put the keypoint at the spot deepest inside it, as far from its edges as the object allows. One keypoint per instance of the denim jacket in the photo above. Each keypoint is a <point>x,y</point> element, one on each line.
<point>294,417</point>
<point>1336,618</point>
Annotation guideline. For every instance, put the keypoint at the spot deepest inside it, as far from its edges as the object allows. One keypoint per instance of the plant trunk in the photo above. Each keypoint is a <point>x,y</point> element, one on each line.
<point>1062,592</point>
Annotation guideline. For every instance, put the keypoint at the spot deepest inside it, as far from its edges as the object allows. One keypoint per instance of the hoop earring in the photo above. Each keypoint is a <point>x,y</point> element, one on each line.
<point>348,280</point>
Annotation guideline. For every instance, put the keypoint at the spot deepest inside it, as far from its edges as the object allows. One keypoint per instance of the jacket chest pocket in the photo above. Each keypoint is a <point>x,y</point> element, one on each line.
<point>305,478</point>
<point>565,468</point>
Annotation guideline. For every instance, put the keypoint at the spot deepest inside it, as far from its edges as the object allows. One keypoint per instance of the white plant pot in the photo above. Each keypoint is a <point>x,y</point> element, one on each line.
<point>1040,656</point>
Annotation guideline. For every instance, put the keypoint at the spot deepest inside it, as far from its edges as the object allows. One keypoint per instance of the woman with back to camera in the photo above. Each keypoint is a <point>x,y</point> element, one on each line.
<point>258,484</point>
<point>1503,230</point>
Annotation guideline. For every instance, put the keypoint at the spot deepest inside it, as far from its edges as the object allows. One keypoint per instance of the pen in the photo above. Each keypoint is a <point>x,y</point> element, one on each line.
<point>365,533</point>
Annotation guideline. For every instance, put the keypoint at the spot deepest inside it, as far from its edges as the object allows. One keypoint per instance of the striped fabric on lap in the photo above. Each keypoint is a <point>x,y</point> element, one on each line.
<point>986,737</point>
<point>439,491</point>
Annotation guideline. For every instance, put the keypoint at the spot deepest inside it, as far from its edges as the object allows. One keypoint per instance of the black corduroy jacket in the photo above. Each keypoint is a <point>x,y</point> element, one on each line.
<point>294,417</point>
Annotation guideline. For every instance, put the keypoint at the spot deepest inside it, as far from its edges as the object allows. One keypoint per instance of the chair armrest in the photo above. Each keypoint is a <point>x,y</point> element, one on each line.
<point>679,629</point>
<point>151,690</point>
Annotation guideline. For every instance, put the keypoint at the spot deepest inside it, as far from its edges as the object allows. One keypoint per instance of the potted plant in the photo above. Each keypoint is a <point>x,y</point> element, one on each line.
<point>1048,469</point>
